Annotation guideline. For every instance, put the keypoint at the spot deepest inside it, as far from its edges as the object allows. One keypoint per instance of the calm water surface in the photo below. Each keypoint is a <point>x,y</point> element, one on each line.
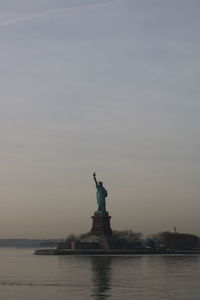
<point>24,276</point>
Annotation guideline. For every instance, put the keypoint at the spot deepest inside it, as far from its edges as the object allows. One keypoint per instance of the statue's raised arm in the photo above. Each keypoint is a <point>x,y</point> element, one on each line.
<point>94,176</point>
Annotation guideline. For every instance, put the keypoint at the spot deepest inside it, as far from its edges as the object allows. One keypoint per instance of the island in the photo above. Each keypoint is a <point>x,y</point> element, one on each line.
<point>102,240</point>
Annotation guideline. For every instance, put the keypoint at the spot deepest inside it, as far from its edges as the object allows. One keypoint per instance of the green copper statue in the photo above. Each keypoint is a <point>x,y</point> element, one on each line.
<point>101,195</point>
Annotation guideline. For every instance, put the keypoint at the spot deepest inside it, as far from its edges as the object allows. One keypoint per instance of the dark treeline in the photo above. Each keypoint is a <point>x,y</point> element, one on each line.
<point>122,239</point>
<point>174,240</point>
<point>130,239</point>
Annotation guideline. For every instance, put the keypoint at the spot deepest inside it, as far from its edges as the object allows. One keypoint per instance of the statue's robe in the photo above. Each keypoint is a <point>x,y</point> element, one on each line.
<point>101,198</point>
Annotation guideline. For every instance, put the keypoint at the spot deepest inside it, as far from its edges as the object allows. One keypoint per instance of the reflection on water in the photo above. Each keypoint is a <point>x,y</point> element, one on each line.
<point>101,271</point>
<point>145,277</point>
<point>24,276</point>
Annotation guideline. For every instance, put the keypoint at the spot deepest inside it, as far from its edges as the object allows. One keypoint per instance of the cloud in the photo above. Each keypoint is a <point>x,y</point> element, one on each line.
<point>56,11</point>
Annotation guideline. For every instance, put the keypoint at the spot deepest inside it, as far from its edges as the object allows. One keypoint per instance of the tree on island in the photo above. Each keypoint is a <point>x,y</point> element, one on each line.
<point>174,240</point>
<point>128,235</point>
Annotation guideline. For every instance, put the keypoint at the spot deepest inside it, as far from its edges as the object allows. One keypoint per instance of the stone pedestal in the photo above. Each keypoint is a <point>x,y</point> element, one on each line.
<point>101,224</point>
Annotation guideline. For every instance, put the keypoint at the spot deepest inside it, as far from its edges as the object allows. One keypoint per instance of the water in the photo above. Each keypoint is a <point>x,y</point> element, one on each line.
<point>24,276</point>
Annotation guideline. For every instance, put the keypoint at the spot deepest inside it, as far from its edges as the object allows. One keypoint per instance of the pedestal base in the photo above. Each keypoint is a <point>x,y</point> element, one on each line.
<point>101,224</point>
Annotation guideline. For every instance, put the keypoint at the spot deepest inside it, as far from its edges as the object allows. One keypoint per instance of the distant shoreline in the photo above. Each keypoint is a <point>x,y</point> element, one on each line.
<point>28,243</point>
<point>111,252</point>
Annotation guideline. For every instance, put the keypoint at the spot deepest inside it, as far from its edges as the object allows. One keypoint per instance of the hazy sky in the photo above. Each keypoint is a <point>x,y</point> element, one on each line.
<point>110,86</point>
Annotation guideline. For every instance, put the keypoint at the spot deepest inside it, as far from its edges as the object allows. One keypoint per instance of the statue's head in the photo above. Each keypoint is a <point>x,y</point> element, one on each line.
<point>100,183</point>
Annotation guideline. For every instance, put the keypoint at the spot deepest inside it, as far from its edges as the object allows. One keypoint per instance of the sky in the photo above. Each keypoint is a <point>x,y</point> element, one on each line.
<point>109,86</point>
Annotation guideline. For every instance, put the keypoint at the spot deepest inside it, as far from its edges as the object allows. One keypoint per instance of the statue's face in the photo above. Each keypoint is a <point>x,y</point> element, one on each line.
<point>100,183</point>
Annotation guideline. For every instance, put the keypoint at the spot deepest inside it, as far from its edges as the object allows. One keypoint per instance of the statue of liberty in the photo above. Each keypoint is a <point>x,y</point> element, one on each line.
<point>101,195</point>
